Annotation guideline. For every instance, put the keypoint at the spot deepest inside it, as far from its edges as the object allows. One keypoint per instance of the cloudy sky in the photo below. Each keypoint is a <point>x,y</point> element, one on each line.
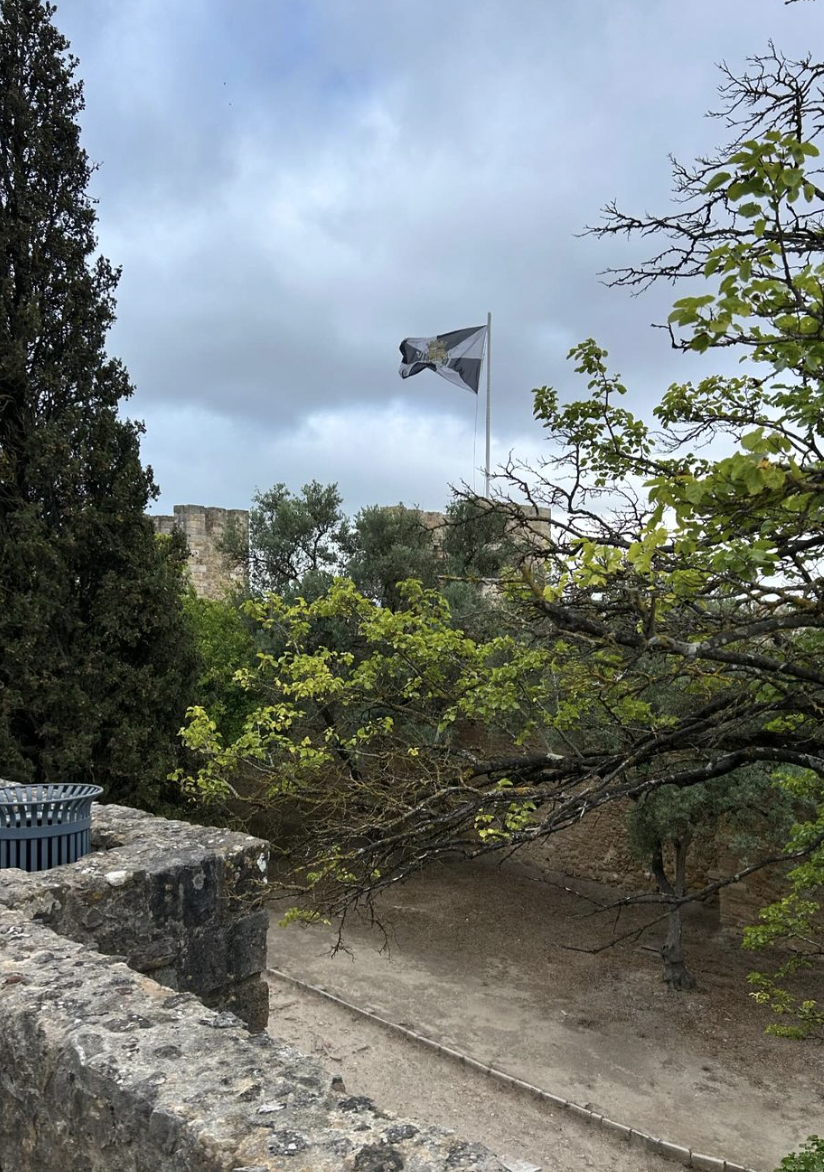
<point>292,186</point>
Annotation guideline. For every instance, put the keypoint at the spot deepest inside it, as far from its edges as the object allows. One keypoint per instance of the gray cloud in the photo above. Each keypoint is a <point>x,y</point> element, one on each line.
<point>293,186</point>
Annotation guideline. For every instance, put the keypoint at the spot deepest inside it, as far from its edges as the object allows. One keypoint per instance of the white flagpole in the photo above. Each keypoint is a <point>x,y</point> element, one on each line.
<point>488,399</point>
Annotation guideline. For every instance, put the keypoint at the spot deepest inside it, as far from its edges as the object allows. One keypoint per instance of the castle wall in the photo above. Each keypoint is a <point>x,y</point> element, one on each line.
<point>203,528</point>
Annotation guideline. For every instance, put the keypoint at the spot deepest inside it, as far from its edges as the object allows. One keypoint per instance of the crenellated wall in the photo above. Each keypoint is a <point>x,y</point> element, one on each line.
<point>203,528</point>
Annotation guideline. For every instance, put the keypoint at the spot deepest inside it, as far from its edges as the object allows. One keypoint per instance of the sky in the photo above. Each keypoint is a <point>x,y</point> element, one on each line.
<point>293,186</point>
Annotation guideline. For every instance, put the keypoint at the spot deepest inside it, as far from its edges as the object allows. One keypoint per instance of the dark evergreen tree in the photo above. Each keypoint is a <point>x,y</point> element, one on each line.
<point>96,657</point>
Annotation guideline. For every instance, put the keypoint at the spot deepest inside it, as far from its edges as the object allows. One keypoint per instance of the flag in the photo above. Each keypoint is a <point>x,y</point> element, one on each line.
<point>456,356</point>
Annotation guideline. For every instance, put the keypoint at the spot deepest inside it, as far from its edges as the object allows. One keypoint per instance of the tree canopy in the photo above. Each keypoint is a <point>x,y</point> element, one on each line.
<point>96,661</point>
<point>665,634</point>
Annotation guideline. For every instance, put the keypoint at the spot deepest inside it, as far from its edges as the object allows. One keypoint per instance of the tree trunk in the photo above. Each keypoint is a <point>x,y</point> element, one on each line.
<point>676,974</point>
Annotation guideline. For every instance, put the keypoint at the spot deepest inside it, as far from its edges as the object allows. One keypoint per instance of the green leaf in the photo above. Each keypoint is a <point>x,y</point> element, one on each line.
<point>754,479</point>
<point>694,492</point>
<point>753,441</point>
<point>749,210</point>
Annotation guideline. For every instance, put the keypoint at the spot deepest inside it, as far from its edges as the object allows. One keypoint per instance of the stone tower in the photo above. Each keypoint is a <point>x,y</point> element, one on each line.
<point>203,527</point>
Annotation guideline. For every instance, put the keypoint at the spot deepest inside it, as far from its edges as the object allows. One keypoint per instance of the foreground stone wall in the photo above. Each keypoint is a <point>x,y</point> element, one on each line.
<point>105,1070</point>
<point>108,1066</point>
<point>178,902</point>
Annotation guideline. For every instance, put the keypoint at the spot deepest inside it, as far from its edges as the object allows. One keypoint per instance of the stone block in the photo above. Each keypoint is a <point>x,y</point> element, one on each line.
<point>675,1152</point>
<point>580,1112</point>
<point>616,1129</point>
<point>703,1163</point>
<point>639,1139</point>
<point>176,900</point>
<point>248,1000</point>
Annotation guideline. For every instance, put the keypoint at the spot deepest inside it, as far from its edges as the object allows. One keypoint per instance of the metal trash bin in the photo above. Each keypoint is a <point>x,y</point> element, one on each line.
<point>45,826</point>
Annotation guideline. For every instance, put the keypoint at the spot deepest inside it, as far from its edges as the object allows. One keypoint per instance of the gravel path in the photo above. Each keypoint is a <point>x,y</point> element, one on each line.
<point>415,1083</point>
<point>478,961</point>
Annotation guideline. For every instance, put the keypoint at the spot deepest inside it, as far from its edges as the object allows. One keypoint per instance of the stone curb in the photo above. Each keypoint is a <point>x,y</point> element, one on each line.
<point>639,1139</point>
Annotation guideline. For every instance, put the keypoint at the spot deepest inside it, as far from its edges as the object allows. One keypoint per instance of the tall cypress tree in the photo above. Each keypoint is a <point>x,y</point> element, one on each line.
<point>96,657</point>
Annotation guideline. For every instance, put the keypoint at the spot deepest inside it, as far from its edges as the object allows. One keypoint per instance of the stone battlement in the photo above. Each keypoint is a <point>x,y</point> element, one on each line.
<point>203,527</point>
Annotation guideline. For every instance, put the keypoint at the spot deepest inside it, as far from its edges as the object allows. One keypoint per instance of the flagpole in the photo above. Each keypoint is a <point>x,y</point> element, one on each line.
<point>488,399</point>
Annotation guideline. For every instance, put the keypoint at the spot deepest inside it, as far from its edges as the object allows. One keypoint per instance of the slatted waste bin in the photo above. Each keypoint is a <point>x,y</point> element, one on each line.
<point>45,826</point>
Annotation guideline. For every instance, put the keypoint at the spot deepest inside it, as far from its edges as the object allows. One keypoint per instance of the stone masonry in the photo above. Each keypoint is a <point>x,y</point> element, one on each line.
<point>107,1069</point>
<point>178,902</point>
<point>203,528</point>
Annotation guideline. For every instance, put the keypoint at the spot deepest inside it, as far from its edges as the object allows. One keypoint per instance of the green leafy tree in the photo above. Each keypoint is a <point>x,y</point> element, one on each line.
<point>96,658</point>
<point>795,920</point>
<point>387,546</point>
<point>463,554</point>
<point>480,545</point>
<point>668,632</point>
<point>225,645</point>
<point>479,541</point>
<point>296,541</point>
<point>753,815</point>
<point>362,742</point>
<point>774,98</point>
<point>753,219</point>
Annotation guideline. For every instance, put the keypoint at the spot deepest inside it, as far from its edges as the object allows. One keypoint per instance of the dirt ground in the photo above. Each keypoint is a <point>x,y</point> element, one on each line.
<point>412,1082</point>
<point>479,959</point>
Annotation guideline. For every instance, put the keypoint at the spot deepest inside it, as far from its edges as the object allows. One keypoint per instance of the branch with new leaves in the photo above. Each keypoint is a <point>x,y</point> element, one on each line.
<point>657,640</point>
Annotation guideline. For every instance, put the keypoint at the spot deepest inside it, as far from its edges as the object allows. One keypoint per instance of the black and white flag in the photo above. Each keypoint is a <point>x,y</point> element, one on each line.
<point>456,356</point>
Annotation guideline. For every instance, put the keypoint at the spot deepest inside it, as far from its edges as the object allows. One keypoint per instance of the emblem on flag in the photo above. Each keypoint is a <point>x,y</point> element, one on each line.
<point>436,352</point>
<point>457,356</point>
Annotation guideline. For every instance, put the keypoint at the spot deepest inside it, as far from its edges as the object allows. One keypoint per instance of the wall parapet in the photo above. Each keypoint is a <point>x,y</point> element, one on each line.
<point>107,1069</point>
<point>178,902</point>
